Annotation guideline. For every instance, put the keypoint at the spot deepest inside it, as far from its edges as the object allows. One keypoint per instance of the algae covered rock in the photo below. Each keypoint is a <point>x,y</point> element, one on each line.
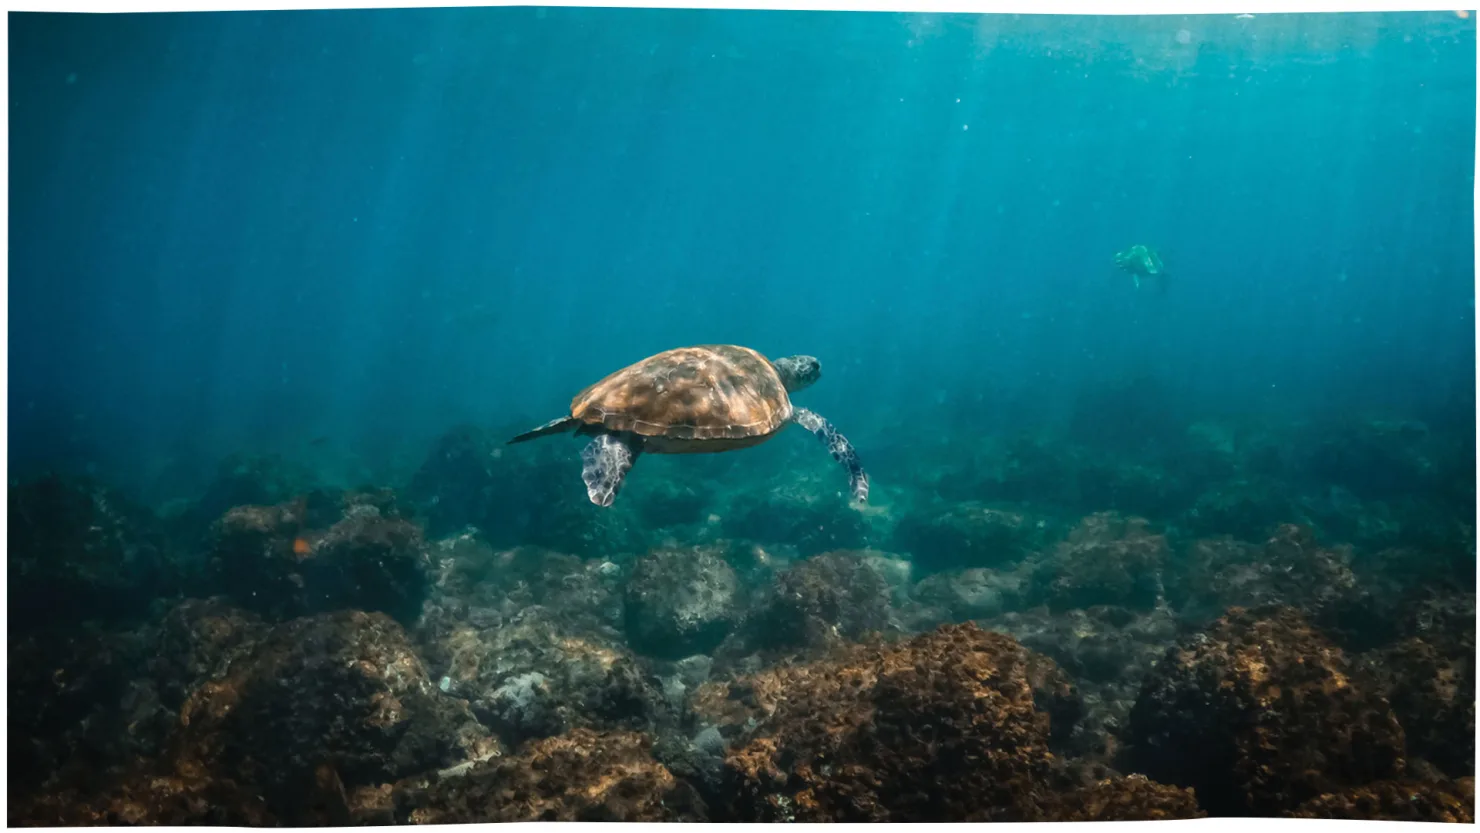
<point>1127,798</point>
<point>341,689</point>
<point>968,535</point>
<point>828,597</point>
<point>1261,713</point>
<point>537,675</point>
<point>579,776</point>
<point>1105,560</point>
<point>148,799</point>
<point>872,734</point>
<point>805,510</point>
<point>81,551</point>
<point>68,711</point>
<point>681,602</point>
<point>318,554</point>
<point>1289,568</point>
<point>1452,803</point>
<point>1433,694</point>
<point>975,593</point>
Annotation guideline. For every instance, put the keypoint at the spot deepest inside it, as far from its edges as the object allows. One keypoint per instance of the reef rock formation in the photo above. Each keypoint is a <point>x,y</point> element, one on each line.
<point>1452,803</point>
<point>79,551</point>
<point>579,776</point>
<point>968,535</point>
<point>1105,560</point>
<point>319,554</point>
<point>681,602</point>
<point>343,690</point>
<point>1261,713</point>
<point>942,727</point>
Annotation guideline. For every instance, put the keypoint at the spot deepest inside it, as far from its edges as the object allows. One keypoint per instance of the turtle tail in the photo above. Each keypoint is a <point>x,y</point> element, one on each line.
<point>554,426</point>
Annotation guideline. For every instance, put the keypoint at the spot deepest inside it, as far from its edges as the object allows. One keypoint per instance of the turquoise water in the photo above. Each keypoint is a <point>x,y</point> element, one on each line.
<point>248,231</point>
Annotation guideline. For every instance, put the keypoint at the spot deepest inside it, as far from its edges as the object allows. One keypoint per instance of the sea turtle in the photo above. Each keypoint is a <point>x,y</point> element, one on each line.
<point>710,398</point>
<point>1142,262</point>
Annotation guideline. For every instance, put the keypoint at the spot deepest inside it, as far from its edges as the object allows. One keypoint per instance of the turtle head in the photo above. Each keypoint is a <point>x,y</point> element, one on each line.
<point>798,372</point>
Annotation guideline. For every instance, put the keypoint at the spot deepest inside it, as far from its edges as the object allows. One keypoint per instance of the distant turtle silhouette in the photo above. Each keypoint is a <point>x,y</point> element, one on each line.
<point>1142,262</point>
<point>693,400</point>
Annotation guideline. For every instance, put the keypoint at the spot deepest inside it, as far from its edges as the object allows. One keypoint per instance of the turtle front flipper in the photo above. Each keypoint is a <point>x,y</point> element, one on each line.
<point>840,449</point>
<point>605,462</point>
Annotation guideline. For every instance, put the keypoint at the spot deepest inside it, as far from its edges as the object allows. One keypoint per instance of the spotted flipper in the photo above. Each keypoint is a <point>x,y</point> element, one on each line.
<point>605,461</point>
<point>840,449</point>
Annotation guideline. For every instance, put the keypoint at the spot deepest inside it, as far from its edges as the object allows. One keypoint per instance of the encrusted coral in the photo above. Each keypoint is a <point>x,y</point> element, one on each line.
<point>1433,694</point>
<point>806,509</point>
<point>967,535</point>
<point>680,603</point>
<point>941,727</point>
<point>1396,801</point>
<point>79,550</point>
<point>579,776</point>
<point>316,554</point>
<point>534,675</point>
<point>70,719</point>
<point>148,799</point>
<point>1105,560</point>
<point>1290,568</point>
<point>1108,650</point>
<point>973,593</point>
<point>1128,798</point>
<point>819,601</point>
<point>342,689</point>
<point>1260,713</point>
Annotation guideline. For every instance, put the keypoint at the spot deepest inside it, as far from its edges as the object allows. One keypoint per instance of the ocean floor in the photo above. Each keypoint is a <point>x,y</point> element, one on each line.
<point>1214,620</point>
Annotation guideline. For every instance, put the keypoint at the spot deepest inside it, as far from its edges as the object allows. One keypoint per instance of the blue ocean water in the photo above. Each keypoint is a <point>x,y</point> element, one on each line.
<point>283,286</point>
<point>251,231</point>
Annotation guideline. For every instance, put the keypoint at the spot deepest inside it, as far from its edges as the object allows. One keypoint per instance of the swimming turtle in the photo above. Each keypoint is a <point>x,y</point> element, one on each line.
<point>693,400</point>
<point>1141,262</point>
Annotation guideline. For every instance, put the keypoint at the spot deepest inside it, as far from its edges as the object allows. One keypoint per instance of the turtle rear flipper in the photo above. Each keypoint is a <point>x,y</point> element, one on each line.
<point>605,462</point>
<point>554,426</point>
<point>840,449</point>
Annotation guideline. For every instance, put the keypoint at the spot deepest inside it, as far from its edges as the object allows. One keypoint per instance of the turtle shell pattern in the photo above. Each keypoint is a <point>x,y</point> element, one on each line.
<point>710,392</point>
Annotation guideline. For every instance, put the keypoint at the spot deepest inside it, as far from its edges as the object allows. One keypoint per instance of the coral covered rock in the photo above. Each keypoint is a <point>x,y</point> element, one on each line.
<point>148,799</point>
<point>316,554</point>
<point>809,513</point>
<point>1129,798</point>
<point>942,727</point>
<point>1108,651</point>
<point>579,776</point>
<point>1452,802</point>
<point>1246,507</point>
<point>826,598</point>
<point>1261,713</point>
<point>343,690</point>
<point>1290,568</point>
<point>81,551</point>
<point>1433,694</point>
<point>1373,458</point>
<point>459,482</point>
<point>76,713</point>
<point>535,675</point>
<point>1105,560</point>
<point>968,535</point>
<point>681,602</point>
<point>974,593</point>
<point>196,640</point>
